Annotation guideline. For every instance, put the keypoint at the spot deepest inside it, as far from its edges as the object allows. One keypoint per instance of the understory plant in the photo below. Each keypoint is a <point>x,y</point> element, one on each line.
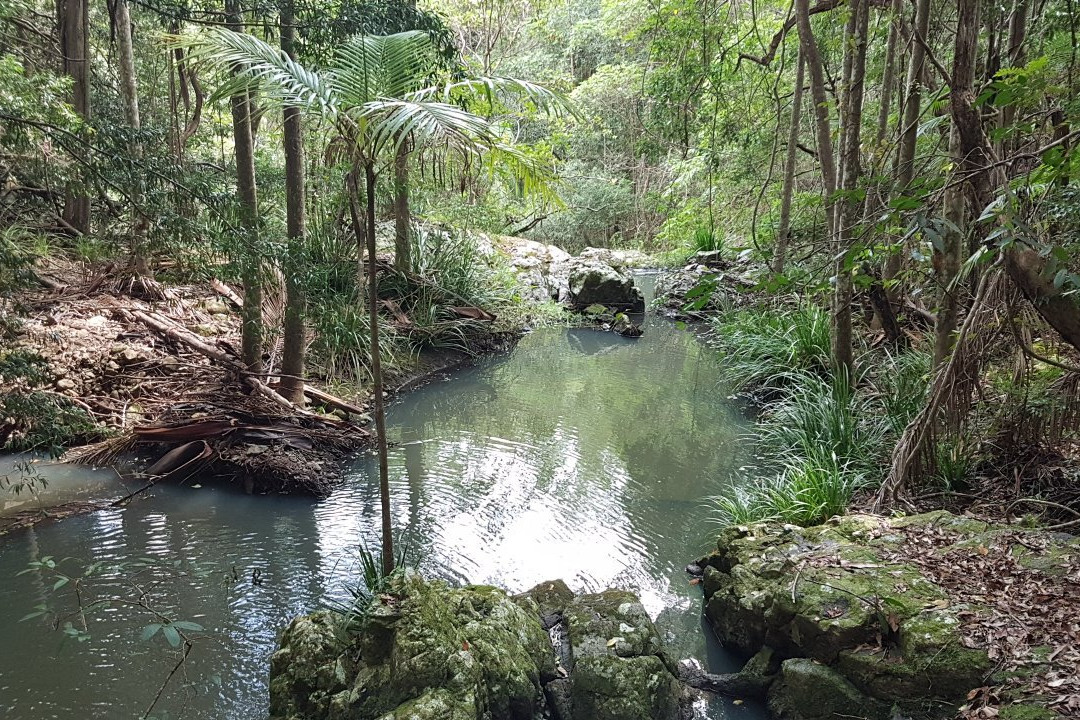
<point>821,436</point>
<point>373,579</point>
<point>761,347</point>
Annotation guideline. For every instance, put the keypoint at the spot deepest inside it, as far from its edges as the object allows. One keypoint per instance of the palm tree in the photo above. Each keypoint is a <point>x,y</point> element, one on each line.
<point>376,95</point>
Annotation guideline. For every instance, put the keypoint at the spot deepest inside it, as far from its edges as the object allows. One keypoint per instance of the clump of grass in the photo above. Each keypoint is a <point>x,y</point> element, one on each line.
<point>762,346</point>
<point>823,437</point>
<point>354,612</point>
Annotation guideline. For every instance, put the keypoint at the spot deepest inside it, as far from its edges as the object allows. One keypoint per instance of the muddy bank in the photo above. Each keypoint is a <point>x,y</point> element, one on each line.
<point>932,616</point>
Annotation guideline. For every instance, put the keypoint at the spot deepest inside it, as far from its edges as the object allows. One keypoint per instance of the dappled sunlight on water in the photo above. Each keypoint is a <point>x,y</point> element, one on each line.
<point>581,455</point>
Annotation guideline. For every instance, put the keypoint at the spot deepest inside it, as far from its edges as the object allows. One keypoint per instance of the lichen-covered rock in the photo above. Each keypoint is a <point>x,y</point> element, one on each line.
<point>427,651</point>
<point>549,600</point>
<point>619,670</point>
<point>808,690</point>
<point>593,282</point>
<point>865,627</point>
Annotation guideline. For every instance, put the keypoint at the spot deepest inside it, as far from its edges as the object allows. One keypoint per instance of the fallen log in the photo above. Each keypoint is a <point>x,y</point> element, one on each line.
<point>226,292</point>
<point>324,398</point>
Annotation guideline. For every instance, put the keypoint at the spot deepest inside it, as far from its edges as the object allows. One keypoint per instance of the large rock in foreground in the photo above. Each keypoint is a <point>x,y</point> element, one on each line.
<point>877,618</point>
<point>426,652</point>
<point>430,652</point>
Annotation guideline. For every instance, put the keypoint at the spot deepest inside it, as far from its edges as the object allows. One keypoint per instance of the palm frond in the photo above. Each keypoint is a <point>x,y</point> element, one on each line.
<point>370,67</point>
<point>256,65</point>
<point>493,89</point>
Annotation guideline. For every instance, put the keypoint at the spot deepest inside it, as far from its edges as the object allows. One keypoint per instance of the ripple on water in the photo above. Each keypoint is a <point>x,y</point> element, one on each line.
<point>581,455</point>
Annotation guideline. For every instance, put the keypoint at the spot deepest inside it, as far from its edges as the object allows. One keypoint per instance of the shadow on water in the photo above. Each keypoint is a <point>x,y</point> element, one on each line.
<point>581,455</point>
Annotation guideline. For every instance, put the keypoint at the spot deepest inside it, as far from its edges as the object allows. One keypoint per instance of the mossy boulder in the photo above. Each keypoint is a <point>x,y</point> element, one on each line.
<point>426,651</point>
<point>834,598</point>
<point>592,282</point>
<point>618,668</point>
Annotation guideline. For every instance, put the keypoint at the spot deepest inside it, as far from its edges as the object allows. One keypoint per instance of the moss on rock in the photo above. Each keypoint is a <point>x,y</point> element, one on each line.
<point>427,650</point>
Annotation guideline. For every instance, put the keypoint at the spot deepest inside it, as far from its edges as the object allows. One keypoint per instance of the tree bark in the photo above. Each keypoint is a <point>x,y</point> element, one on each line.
<point>850,212</point>
<point>809,50</point>
<point>402,215</point>
<point>948,257</point>
<point>376,374</point>
<point>251,338</point>
<point>73,19</point>
<point>295,340</point>
<point>130,90</point>
<point>780,251</point>
<point>909,125</point>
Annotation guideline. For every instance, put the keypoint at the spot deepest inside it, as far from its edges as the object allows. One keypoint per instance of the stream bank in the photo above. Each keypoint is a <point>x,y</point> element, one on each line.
<point>158,379</point>
<point>928,616</point>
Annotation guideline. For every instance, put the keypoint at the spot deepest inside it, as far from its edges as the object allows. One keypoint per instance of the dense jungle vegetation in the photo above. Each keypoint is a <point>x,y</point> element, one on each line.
<point>894,183</point>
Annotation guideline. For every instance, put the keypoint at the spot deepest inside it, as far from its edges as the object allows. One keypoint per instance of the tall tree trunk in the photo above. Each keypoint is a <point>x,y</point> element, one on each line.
<point>948,257</point>
<point>294,342</point>
<point>251,337</point>
<point>780,251</point>
<point>809,50</point>
<point>74,22</point>
<point>909,124</point>
<point>130,90</point>
<point>376,375</point>
<point>1024,265</point>
<point>402,216</point>
<point>850,213</point>
<point>1015,58</point>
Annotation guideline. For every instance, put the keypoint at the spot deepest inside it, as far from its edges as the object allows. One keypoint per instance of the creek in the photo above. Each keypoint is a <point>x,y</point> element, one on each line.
<point>579,455</point>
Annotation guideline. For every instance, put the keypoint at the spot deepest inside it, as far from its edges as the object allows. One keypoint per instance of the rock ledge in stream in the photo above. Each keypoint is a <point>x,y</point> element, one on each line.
<point>862,631</point>
<point>431,652</point>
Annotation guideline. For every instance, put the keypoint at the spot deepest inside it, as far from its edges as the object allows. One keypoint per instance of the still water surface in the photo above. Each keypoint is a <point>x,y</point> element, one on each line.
<point>579,455</point>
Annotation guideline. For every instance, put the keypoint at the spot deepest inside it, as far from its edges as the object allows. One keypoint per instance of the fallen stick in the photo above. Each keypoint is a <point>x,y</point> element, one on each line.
<point>325,398</point>
<point>227,292</point>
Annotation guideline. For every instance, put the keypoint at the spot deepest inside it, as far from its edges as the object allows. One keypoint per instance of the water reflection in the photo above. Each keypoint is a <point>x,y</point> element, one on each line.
<point>582,455</point>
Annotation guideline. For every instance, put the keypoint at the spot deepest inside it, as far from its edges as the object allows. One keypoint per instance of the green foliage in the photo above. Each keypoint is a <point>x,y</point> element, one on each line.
<point>820,437</point>
<point>373,580</point>
<point>762,347</point>
<point>19,248</point>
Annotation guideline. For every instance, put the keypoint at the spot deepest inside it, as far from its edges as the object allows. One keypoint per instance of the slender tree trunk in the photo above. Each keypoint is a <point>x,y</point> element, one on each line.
<point>130,90</point>
<point>376,374</point>
<point>780,252</point>
<point>1015,58</point>
<point>402,216</point>
<point>850,212</point>
<point>74,22</point>
<point>251,338</point>
<point>948,257</point>
<point>909,125</point>
<point>295,341</point>
<point>812,57</point>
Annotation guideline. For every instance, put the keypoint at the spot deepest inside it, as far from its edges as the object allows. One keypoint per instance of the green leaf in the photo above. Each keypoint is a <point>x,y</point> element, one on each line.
<point>171,635</point>
<point>185,625</point>
<point>60,583</point>
<point>150,631</point>
<point>31,616</point>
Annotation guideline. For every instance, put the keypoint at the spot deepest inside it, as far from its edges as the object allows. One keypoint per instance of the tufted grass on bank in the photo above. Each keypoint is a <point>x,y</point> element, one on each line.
<point>820,437</point>
<point>764,347</point>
